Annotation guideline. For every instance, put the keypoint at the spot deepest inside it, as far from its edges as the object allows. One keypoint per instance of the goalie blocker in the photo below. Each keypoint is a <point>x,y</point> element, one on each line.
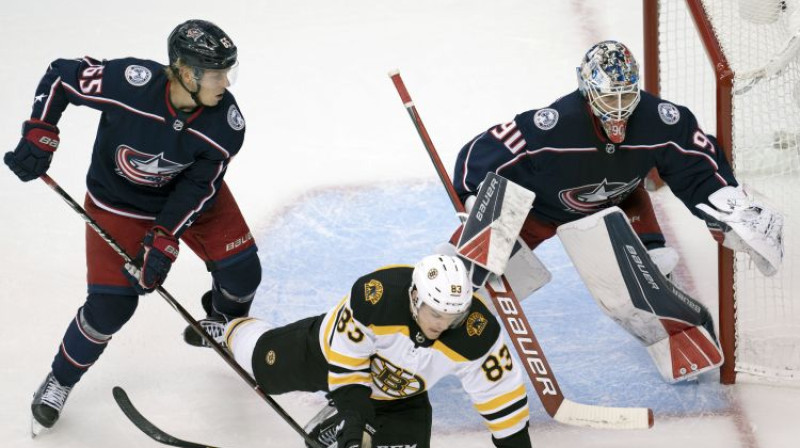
<point>677,330</point>
<point>488,239</point>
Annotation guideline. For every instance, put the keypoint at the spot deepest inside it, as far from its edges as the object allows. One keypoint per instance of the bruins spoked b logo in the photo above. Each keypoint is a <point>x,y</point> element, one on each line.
<point>394,381</point>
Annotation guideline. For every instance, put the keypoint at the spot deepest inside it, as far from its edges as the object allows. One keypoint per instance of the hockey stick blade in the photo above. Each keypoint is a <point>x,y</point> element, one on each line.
<point>146,426</point>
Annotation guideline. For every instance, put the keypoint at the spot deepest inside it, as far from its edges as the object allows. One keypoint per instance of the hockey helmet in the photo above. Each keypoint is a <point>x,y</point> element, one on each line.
<point>609,79</point>
<point>201,44</point>
<point>442,282</point>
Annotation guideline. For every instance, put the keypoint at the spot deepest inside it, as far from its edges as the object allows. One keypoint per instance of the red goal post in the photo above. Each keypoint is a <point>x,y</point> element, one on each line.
<point>735,64</point>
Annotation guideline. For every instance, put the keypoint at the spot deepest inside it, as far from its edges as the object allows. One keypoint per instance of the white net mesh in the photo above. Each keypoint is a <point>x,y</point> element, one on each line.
<point>761,42</point>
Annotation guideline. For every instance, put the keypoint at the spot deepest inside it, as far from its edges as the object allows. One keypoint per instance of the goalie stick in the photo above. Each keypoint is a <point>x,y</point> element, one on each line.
<point>146,426</point>
<point>520,331</point>
<point>182,311</point>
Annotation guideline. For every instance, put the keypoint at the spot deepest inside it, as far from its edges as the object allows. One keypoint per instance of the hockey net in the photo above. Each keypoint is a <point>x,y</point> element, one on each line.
<point>736,65</point>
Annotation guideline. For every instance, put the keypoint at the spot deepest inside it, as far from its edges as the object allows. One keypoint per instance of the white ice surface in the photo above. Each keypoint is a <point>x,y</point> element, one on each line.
<point>322,115</point>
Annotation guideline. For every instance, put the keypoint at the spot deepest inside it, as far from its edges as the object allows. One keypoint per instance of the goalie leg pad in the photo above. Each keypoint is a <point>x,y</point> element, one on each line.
<point>630,289</point>
<point>686,353</point>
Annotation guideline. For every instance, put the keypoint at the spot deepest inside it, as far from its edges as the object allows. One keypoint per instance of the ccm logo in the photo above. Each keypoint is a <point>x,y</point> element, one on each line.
<point>525,342</point>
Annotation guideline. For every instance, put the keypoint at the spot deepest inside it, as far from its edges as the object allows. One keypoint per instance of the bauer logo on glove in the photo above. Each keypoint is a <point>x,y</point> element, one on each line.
<point>151,266</point>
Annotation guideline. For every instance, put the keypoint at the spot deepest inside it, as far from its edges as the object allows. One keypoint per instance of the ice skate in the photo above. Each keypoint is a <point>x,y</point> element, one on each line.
<point>213,325</point>
<point>47,403</point>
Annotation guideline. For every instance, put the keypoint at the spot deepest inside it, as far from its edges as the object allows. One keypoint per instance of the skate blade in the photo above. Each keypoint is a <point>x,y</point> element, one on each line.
<point>36,428</point>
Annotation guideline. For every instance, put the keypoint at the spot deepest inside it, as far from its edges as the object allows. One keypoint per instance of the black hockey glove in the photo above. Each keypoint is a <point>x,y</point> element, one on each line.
<point>353,431</point>
<point>150,267</point>
<point>31,158</point>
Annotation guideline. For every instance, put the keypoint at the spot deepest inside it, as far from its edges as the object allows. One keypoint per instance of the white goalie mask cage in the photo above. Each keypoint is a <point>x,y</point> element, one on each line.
<point>609,79</point>
<point>442,282</point>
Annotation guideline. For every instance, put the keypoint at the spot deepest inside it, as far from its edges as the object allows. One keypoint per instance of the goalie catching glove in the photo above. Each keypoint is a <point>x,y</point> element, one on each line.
<point>748,226</point>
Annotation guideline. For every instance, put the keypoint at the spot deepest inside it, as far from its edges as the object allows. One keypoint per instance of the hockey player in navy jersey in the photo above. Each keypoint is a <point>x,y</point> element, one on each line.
<point>163,144</point>
<point>592,149</point>
<point>379,351</point>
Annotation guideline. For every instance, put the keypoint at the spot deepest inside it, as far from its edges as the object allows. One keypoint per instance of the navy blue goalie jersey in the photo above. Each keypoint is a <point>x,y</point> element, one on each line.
<point>563,155</point>
<point>149,161</point>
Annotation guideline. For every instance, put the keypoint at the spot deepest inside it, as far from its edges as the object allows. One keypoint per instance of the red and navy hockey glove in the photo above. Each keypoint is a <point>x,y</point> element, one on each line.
<point>31,158</point>
<point>151,266</point>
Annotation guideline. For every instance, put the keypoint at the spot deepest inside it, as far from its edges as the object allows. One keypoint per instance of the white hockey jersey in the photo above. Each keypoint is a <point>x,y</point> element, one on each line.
<point>370,338</point>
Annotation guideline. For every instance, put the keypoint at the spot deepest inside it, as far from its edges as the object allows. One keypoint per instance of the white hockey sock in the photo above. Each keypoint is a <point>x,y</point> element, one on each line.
<point>241,336</point>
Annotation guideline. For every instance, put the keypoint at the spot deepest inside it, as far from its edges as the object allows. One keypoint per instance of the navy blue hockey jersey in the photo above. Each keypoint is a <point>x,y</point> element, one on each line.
<point>150,161</point>
<point>562,154</point>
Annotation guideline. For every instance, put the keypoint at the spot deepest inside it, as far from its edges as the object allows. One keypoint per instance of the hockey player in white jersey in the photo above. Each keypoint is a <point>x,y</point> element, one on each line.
<point>379,351</point>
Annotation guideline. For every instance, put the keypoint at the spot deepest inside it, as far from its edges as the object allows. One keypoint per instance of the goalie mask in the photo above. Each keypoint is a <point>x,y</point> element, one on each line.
<point>442,283</point>
<point>608,78</point>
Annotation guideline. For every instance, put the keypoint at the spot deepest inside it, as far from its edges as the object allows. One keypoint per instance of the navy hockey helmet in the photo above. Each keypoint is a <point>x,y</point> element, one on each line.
<point>201,44</point>
<point>609,79</point>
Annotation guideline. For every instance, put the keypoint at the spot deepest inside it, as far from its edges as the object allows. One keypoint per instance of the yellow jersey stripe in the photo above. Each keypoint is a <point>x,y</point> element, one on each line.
<point>234,325</point>
<point>501,401</point>
<point>353,378</point>
<point>392,266</point>
<point>449,352</point>
<point>346,361</point>
<point>385,330</point>
<point>513,420</point>
<point>329,325</point>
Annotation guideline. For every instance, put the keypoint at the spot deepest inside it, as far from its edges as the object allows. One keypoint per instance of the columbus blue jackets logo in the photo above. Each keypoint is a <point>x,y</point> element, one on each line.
<point>669,113</point>
<point>146,169</point>
<point>235,119</point>
<point>545,119</point>
<point>138,75</point>
<point>595,197</point>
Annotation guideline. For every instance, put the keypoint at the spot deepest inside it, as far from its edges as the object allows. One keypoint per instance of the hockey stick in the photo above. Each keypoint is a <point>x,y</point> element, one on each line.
<point>146,426</point>
<point>182,311</point>
<point>520,331</point>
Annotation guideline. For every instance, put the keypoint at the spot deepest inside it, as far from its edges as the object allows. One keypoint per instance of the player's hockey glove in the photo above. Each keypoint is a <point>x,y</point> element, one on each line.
<point>150,267</point>
<point>353,431</point>
<point>31,158</point>
<point>749,226</point>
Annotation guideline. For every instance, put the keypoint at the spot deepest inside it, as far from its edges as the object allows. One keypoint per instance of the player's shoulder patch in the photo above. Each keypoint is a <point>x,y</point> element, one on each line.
<point>235,118</point>
<point>669,113</point>
<point>545,119</point>
<point>138,75</point>
<point>381,297</point>
<point>373,291</point>
<point>477,335</point>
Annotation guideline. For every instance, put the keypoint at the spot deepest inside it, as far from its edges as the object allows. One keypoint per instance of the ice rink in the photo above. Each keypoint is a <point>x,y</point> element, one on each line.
<point>334,183</point>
